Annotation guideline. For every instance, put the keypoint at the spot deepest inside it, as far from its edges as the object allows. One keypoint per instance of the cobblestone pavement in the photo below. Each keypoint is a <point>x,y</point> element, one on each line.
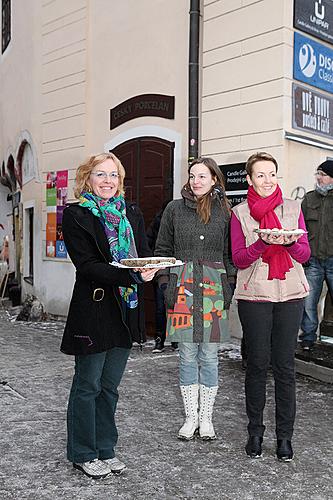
<point>35,381</point>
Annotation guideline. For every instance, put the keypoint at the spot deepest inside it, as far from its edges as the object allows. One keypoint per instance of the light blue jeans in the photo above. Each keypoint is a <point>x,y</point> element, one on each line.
<point>198,364</point>
<point>318,271</point>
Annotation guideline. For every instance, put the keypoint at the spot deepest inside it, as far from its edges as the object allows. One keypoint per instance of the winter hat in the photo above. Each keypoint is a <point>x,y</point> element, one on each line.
<point>327,167</point>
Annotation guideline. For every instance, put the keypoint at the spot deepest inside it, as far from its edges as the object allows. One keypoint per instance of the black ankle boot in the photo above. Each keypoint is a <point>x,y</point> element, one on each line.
<point>284,451</point>
<point>159,345</point>
<point>253,447</point>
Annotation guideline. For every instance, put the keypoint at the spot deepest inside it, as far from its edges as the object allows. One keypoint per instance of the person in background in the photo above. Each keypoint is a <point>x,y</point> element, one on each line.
<point>195,230</point>
<point>270,290</point>
<point>160,311</point>
<point>317,207</point>
<point>102,321</point>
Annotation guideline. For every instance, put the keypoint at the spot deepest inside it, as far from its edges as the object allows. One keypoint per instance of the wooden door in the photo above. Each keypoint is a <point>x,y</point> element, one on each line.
<point>148,162</point>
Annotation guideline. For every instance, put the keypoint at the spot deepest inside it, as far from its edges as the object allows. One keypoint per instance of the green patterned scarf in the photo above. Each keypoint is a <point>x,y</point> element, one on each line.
<point>119,233</point>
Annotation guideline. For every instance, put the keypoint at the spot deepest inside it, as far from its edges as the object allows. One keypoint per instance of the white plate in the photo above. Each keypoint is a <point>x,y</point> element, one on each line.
<point>281,232</point>
<point>148,266</point>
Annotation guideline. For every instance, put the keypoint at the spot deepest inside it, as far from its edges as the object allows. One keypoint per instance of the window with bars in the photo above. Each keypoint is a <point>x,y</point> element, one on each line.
<point>6,23</point>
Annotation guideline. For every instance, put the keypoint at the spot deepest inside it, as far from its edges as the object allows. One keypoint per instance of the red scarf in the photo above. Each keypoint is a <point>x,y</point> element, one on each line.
<point>262,210</point>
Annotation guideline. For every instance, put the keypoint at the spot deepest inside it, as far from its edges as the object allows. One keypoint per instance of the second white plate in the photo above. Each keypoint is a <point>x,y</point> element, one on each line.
<point>280,232</point>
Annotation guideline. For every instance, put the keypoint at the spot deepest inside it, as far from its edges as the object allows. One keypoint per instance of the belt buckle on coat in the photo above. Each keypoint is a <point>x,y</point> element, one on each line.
<point>96,297</point>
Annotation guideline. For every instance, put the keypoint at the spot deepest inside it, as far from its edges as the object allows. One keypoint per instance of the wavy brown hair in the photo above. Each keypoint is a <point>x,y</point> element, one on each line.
<point>84,170</point>
<point>204,203</point>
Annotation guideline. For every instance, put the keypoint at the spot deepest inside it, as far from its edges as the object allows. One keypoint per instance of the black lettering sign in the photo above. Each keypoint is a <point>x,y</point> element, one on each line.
<point>312,111</point>
<point>235,176</point>
<point>315,17</point>
<point>235,199</point>
<point>143,105</point>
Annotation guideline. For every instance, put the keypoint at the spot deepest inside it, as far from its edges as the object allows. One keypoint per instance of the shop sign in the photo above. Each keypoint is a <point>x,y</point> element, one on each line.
<point>143,105</point>
<point>315,17</point>
<point>235,176</point>
<point>313,63</point>
<point>235,182</point>
<point>312,111</point>
<point>235,199</point>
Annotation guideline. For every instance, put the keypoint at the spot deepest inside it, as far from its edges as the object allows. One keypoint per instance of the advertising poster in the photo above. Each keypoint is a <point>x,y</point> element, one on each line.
<point>313,63</point>
<point>56,199</point>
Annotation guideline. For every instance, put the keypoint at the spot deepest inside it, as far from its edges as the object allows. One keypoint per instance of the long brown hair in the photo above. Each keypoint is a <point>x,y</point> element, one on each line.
<point>204,203</point>
<point>84,170</point>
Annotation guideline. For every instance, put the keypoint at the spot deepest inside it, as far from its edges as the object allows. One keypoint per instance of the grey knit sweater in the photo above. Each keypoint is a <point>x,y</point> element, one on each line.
<point>184,236</point>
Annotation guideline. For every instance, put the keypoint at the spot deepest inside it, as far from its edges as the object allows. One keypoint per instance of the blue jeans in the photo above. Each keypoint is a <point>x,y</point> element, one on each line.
<point>91,428</point>
<point>317,272</point>
<point>198,364</point>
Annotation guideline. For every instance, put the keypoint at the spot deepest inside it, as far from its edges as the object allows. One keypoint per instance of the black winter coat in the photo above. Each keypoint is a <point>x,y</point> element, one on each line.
<point>95,325</point>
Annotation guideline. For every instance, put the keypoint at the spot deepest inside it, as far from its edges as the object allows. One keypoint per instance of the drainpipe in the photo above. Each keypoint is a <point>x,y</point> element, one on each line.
<point>193,73</point>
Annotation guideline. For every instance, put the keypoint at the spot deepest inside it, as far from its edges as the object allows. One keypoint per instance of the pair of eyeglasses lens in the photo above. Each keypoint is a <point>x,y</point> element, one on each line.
<point>105,175</point>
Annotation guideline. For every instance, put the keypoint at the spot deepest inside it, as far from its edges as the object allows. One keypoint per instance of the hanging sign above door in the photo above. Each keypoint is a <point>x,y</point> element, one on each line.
<point>143,105</point>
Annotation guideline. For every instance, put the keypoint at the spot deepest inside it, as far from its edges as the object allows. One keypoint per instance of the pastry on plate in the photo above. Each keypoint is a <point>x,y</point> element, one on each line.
<point>144,261</point>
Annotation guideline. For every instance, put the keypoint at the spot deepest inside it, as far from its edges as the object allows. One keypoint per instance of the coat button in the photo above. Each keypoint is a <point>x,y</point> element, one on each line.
<point>202,237</point>
<point>200,284</point>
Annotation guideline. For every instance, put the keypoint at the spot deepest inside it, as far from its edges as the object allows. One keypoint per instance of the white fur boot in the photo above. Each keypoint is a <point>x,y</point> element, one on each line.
<point>190,395</point>
<point>207,400</point>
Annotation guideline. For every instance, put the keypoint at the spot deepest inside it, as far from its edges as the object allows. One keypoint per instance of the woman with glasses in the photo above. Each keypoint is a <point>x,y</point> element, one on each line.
<point>195,229</point>
<point>103,318</point>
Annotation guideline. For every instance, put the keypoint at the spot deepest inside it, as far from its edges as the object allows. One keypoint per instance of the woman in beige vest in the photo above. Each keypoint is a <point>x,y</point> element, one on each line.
<point>270,290</point>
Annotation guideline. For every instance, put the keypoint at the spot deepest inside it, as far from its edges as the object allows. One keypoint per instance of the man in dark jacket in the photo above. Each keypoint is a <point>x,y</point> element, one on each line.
<point>317,208</point>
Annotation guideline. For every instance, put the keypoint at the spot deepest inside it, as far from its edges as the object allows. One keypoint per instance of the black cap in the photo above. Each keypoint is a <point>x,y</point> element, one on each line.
<point>327,167</point>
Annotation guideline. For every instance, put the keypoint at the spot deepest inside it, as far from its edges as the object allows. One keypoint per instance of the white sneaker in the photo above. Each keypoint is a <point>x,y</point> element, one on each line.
<point>115,465</point>
<point>95,468</point>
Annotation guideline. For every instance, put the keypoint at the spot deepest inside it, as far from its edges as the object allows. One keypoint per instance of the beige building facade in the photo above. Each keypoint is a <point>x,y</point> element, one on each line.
<point>247,82</point>
<point>86,76</point>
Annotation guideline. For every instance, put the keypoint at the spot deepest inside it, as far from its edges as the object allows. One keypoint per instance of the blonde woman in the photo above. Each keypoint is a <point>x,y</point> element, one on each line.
<point>102,319</point>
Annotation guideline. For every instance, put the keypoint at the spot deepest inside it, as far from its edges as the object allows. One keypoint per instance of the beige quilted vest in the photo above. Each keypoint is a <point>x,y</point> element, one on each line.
<point>252,282</point>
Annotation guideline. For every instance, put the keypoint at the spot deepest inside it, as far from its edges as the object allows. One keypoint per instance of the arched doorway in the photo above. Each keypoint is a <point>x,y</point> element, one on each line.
<point>148,162</point>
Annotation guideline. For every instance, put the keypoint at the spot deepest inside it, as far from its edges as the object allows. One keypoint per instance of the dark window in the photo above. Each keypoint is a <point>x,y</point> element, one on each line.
<point>31,242</point>
<point>30,245</point>
<point>6,31</point>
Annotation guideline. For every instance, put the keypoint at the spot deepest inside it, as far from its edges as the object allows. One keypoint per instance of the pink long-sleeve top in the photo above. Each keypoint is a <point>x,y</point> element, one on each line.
<point>243,256</point>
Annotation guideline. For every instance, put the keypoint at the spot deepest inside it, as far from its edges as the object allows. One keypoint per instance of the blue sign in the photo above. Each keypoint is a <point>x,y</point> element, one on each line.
<point>313,63</point>
<point>61,251</point>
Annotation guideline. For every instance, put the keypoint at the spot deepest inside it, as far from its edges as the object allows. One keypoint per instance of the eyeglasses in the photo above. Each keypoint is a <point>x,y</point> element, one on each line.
<point>104,175</point>
<point>321,174</point>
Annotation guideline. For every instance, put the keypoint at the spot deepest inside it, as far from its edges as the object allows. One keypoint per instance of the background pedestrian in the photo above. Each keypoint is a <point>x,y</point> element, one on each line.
<point>317,207</point>
<point>160,311</point>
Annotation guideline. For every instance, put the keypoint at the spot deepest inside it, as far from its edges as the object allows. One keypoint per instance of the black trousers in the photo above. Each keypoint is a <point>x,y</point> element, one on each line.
<point>270,330</point>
